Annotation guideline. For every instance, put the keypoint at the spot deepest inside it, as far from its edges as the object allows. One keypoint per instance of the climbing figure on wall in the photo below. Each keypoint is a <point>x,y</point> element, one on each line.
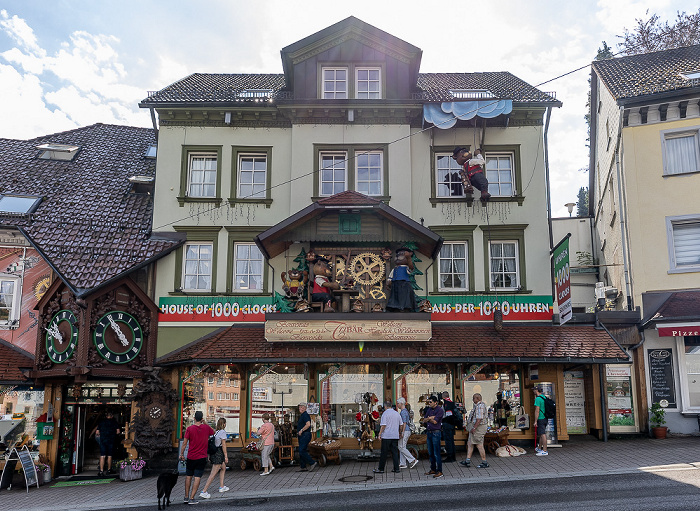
<point>472,172</point>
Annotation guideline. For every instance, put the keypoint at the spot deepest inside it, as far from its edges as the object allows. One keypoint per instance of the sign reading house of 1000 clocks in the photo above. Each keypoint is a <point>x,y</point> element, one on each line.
<point>336,330</point>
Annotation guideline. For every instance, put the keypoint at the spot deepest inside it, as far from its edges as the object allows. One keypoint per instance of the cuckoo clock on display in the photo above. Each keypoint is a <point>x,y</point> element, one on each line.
<point>118,337</point>
<point>61,336</point>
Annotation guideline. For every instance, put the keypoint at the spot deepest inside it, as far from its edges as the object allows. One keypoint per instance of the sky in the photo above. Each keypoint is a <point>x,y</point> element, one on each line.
<point>71,63</point>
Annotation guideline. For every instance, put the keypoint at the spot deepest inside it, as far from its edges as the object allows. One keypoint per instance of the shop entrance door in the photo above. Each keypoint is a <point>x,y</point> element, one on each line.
<point>86,451</point>
<point>78,440</point>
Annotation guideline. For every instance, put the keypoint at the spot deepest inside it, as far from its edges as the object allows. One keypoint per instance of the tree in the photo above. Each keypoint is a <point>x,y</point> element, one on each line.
<point>652,35</point>
<point>582,203</point>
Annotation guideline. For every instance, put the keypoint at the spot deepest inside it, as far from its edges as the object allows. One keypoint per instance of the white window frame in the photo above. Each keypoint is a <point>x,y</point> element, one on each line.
<point>238,286</point>
<point>677,133</point>
<point>262,185</point>
<point>683,378</point>
<point>334,94</point>
<point>671,222</point>
<point>495,185</point>
<point>235,396</point>
<point>342,157</point>
<point>210,395</point>
<point>516,257</point>
<point>360,157</point>
<point>368,94</point>
<point>15,306</point>
<point>441,183</point>
<point>465,287</point>
<point>199,260</point>
<point>191,156</point>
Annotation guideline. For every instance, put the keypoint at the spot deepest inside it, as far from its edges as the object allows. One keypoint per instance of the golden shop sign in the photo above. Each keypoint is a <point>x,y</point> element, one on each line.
<point>277,330</point>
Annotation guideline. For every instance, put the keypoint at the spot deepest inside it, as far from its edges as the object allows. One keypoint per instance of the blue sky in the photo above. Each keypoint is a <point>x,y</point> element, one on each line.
<point>70,63</point>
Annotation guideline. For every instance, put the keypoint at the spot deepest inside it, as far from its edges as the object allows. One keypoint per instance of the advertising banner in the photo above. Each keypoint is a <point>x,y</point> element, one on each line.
<point>575,402</point>
<point>562,280</point>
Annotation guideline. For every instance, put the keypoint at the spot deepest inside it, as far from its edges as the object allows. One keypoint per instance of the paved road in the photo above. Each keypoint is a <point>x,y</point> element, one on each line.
<point>668,489</point>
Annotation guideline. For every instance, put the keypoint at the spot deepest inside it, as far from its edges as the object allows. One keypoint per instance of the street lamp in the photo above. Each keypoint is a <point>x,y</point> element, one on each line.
<point>570,207</point>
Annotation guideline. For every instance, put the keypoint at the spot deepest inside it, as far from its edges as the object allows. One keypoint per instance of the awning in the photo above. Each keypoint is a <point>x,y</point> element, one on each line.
<point>445,115</point>
<point>678,329</point>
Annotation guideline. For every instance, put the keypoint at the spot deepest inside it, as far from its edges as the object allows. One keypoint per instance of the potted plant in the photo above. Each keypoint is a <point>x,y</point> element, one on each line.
<point>43,473</point>
<point>657,421</point>
<point>131,468</point>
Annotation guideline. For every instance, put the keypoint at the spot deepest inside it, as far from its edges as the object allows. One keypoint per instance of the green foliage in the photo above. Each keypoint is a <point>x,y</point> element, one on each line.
<point>658,415</point>
<point>652,35</point>
<point>301,259</point>
<point>415,260</point>
<point>584,258</point>
<point>582,203</point>
<point>282,304</point>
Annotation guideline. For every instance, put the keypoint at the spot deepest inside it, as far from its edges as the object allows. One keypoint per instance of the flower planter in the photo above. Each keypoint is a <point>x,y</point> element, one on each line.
<point>659,432</point>
<point>129,474</point>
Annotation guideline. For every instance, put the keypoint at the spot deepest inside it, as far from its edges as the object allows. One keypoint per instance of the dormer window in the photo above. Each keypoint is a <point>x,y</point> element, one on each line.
<point>351,82</point>
<point>471,93</point>
<point>335,83</point>
<point>60,152</point>
<point>369,83</point>
<point>151,152</point>
<point>255,94</point>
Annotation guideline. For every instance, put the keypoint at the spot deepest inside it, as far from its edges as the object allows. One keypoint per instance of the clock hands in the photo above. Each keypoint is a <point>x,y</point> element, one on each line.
<point>118,331</point>
<point>55,332</point>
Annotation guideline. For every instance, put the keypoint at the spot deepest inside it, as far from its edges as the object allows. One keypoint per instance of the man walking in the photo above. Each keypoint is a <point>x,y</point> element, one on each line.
<point>304,433</point>
<point>476,424</point>
<point>197,437</point>
<point>448,427</point>
<point>432,420</point>
<point>107,431</point>
<point>404,433</point>
<point>389,435</point>
<point>541,449</point>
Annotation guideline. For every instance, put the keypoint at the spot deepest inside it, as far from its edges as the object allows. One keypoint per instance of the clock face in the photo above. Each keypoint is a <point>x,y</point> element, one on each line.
<point>61,336</point>
<point>118,337</point>
<point>155,412</point>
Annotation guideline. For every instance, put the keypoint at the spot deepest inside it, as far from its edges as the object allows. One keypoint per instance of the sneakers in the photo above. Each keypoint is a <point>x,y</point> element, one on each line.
<point>100,473</point>
<point>313,467</point>
<point>414,463</point>
<point>437,475</point>
<point>430,473</point>
<point>264,473</point>
<point>377,471</point>
<point>187,500</point>
<point>403,466</point>
<point>192,502</point>
<point>483,464</point>
<point>222,489</point>
<point>204,495</point>
<point>466,463</point>
<point>537,449</point>
<point>271,469</point>
<point>542,453</point>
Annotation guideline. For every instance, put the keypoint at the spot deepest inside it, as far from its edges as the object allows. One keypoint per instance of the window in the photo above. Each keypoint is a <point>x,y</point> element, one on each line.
<point>691,354</point>
<point>453,267</point>
<point>333,172</point>
<point>9,299</point>
<point>202,175</point>
<point>61,152</point>
<point>681,151</point>
<point>219,382</point>
<point>211,395</point>
<point>684,243</point>
<point>219,396</point>
<point>369,173</point>
<point>228,382</point>
<point>252,176</point>
<point>368,83</point>
<point>248,265</point>
<point>210,381</point>
<point>503,262</point>
<point>691,75</point>
<point>151,151</point>
<point>197,271</point>
<point>235,396</point>
<point>335,82</point>
<point>447,179</point>
<point>18,205</point>
<point>235,383</point>
<point>499,172</point>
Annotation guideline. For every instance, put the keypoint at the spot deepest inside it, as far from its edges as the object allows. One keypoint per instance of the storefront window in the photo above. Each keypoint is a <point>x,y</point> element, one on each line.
<point>277,389</point>
<point>618,389</point>
<point>692,367</point>
<point>203,391</point>
<point>416,382</point>
<point>19,409</point>
<point>346,390</point>
<point>499,386</point>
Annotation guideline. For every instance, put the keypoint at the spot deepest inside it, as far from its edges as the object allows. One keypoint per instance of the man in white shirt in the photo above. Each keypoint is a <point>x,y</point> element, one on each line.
<point>389,435</point>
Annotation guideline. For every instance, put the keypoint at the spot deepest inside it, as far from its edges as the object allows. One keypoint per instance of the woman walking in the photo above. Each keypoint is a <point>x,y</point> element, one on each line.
<point>218,460</point>
<point>267,433</point>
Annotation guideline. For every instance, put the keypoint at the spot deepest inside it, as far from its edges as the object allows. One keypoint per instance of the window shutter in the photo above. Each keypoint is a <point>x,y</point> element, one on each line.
<point>686,244</point>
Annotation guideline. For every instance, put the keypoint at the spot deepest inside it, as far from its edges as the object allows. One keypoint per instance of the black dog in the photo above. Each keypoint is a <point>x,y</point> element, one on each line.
<point>166,483</point>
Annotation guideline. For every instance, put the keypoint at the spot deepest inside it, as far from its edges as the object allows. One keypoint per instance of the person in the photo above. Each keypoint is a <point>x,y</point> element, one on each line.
<point>473,170</point>
<point>448,427</point>
<point>402,297</point>
<point>432,420</point>
<point>107,430</point>
<point>406,459</point>
<point>501,409</point>
<point>541,448</point>
<point>267,433</point>
<point>389,436</point>
<point>476,424</point>
<point>219,460</point>
<point>304,434</point>
<point>197,437</point>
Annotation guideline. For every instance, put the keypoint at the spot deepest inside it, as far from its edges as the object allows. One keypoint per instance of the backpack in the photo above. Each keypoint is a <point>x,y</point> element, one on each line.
<point>457,418</point>
<point>550,408</point>
<point>211,446</point>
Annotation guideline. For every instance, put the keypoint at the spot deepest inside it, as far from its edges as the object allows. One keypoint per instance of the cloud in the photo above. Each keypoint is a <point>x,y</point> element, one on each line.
<point>22,33</point>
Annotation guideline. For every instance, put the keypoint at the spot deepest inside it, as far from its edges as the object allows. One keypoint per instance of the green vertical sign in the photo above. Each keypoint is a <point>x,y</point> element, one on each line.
<point>562,279</point>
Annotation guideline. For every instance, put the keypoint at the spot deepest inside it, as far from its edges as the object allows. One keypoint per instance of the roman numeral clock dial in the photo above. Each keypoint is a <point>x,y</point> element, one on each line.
<point>61,336</point>
<point>118,337</point>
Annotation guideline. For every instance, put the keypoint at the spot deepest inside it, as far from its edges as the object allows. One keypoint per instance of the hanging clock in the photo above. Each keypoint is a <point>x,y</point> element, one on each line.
<point>118,337</point>
<point>61,336</point>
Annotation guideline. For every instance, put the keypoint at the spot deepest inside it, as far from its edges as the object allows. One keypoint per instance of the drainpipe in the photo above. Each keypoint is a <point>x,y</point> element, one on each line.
<point>546,177</point>
<point>623,223</point>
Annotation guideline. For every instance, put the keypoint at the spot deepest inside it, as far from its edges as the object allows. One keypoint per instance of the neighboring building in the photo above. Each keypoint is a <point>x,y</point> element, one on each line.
<point>645,173</point>
<point>346,154</point>
<point>76,279</point>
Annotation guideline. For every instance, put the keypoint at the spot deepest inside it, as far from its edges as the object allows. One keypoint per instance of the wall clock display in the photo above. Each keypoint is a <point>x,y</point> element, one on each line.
<point>61,336</point>
<point>118,337</point>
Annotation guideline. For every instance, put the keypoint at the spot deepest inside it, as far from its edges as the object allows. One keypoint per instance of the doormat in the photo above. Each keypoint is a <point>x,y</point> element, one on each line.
<point>82,483</point>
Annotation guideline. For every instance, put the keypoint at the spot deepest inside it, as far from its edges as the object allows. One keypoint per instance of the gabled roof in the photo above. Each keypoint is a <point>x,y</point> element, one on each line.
<point>650,73</point>
<point>12,359</point>
<point>277,239</point>
<point>89,226</point>
<point>450,343</point>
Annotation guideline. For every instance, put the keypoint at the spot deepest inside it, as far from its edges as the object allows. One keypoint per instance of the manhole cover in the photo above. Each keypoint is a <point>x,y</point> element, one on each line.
<point>247,502</point>
<point>355,479</point>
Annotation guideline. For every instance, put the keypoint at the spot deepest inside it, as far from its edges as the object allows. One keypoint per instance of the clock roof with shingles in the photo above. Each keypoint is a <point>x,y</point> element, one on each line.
<point>649,73</point>
<point>90,226</point>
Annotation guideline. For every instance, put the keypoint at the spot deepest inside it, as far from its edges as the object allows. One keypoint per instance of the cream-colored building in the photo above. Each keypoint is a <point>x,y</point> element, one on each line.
<point>645,176</point>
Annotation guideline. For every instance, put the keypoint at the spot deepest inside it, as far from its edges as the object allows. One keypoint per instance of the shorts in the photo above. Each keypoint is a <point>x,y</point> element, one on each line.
<point>477,437</point>
<point>106,447</point>
<point>195,467</point>
<point>541,426</point>
<point>218,457</point>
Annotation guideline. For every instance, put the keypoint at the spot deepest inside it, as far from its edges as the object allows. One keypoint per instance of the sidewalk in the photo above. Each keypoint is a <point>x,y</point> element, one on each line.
<point>576,458</point>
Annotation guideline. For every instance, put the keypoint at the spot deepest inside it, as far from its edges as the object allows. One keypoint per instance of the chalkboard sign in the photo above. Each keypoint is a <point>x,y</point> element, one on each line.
<point>6,478</point>
<point>661,376</point>
<point>29,468</point>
